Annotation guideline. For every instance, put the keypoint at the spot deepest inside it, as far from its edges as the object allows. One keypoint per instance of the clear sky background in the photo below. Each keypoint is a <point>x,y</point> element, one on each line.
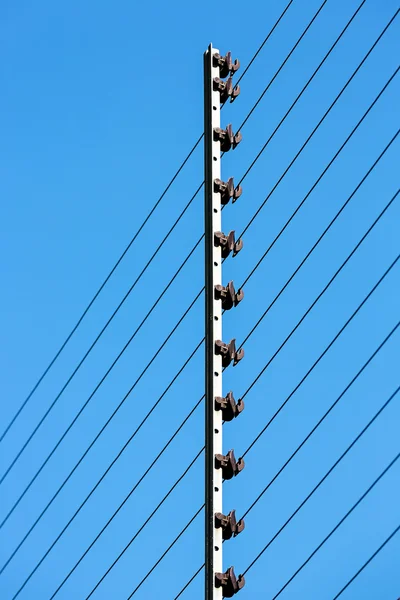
<point>100,103</point>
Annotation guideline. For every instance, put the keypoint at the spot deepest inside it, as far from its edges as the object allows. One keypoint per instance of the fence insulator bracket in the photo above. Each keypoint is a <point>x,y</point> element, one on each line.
<point>229,465</point>
<point>230,527</point>
<point>226,64</point>
<point>226,89</point>
<point>228,295</point>
<point>229,407</point>
<point>227,190</point>
<point>227,243</point>
<point>229,583</point>
<point>227,138</point>
<point>229,352</point>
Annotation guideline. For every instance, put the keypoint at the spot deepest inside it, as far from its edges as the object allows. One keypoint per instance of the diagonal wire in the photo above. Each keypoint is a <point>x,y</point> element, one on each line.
<point>334,339</point>
<point>367,562</point>
<point>89,495</point>
<point>354,379</point>
<point>388,401</point>
<point>264,42</point>
<point>326,474</point>
<point>325,171</point>
<point>112,415</point>
<point>319,296</point>
<point>164,554</point>
<point>198,402</point>
<point>193,577</point>
<point>125,499</point>
<point>49,366</point>
<point>199,240</point>
<point>108,420</point>
<point>102,477</point>
<point>392,462</point>
<point>77,324</point>
<point>147,265</point>
<point>302,504</point>
<point>191,412</point>
<point>320,121</point>
<point>148,519</point>
<point>321,420</point>
<point>290,54</point>
<point>174,435</point>
<point>301,382</point>
<point>108,370</point>
<point>14,506</point>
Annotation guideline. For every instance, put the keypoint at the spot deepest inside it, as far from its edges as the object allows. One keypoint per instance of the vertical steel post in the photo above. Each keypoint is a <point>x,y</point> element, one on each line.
<point>213,328</point>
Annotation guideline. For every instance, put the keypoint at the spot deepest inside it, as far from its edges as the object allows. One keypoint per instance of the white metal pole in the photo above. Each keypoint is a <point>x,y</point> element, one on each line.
<point>213,327</point>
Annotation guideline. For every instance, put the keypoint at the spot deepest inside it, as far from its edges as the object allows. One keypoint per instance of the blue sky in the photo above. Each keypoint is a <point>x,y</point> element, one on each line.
<point>101,102</point>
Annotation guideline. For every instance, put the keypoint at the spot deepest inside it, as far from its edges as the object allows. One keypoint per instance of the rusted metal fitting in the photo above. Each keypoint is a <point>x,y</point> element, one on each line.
<point>229,583</point>
<point>227,190</point>
<point>227,243</point>
<point>227,138</point>
<point>228,406</point>
<point>228,352</point>
<point>228,295</point>
<point>226,89</point>
<point>230,467</point>
<point>230,527</point>
<point>226,64</point>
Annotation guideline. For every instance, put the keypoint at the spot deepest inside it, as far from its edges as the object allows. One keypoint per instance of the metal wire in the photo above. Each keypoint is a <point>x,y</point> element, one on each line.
<point>367,562</point>
<point>321,120</point>
<point>26,489</point>
<point>329,346</point>
<point>339,523</point>
<point>49,366</point>
<point>308,373</point>
<point>147,521</point>
<point>199,401</point>
<point>130,290</point>
<point>321,420</point>
<point>197,404</point>
<point>353,380</point>
<point>323,291</point>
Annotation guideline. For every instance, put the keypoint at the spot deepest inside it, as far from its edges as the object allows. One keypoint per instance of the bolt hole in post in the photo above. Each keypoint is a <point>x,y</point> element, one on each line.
<point>216,373</point>
<point>215,318</point>
<point>216,548</point>
<point>216,430</point>
<point>215,264</point>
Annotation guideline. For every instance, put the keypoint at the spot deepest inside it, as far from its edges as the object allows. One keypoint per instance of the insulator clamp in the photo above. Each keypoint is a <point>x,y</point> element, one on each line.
<point>226,89</point>
<point>228,406</point>
<point>227,190</point>
<point>230,527</point>
<point>226,64</point>
<point>228,352</point>
<point>228,295</point>
<point>227,138</point>
<point>228,464</point>
<point>227,243</point>
<point>229,583</point>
